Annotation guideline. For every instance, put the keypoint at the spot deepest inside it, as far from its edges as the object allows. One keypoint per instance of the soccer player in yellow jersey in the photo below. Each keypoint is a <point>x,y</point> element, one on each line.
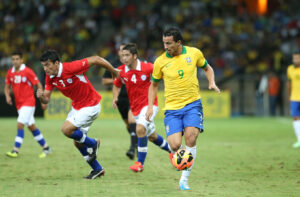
<point>178,68</point>
<point>293,73</point>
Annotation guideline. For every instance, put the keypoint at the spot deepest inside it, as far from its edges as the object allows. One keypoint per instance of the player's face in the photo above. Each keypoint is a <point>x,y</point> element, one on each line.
<point>171,46</point>
<point>120,53</point>
<point>51,68</point>
<point>16,61</point>
<point>296,59</point>
<point>128,58</point>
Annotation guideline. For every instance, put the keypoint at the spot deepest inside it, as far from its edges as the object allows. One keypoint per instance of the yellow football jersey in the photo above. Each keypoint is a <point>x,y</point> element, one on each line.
<point>180,76</point>
<point>293,74</point>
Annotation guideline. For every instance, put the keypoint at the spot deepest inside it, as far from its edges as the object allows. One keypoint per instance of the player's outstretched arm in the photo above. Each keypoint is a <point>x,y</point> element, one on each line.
<point>99,61</point>
<point>43,96</point>
<point>209,73</point>
<point>116,91</point>
<point>152,93</point>
<point>7,94</point>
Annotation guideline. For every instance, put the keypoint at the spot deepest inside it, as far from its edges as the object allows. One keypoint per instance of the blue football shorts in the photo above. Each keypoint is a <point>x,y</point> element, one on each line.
<point>189,116</point>
<point>295,108</point>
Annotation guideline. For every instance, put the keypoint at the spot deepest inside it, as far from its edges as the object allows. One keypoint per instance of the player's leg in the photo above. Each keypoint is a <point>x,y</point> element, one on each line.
<point>295,112</point>
<point>18,141</point>
<point>193,124</point>
<point>97,169</point>
<point>24,115</point>
<point>159,141</point>
<point>127,116</point>
<point>142,148</point>
<point>133,137</point>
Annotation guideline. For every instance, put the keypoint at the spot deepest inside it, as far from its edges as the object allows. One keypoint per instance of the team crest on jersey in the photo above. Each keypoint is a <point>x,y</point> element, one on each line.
<point>70,80</point>
<point>24,79</point>
<point>143,77</point>
<point>188,60</point>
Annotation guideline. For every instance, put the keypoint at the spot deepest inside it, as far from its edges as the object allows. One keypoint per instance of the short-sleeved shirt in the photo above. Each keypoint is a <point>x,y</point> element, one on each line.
<point>293,74</point>
<point>73,83</point>
<point>137,82</point>
<point>180,76</point>
<point>22,83</point>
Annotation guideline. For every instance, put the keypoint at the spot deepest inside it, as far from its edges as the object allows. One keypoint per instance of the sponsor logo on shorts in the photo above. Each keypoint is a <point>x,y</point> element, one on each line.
<point>167,128</point>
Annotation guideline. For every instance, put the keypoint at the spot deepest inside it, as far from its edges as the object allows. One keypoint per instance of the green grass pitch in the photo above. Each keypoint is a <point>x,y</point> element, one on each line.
<point>235,157</point>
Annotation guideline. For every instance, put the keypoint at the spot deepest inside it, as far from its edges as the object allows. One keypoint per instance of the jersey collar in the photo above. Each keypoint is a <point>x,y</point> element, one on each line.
<point>22,67</point>
<point>138,66</point>
<point>183,52</point>
<point>60,69</point>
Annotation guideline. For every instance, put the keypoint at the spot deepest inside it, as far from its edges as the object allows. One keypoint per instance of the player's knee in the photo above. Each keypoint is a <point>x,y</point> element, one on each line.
<point>175,145</point>
<point>66,130</point>
<point>152,137</point>
<point>20,125</point>
<point>140,130</point>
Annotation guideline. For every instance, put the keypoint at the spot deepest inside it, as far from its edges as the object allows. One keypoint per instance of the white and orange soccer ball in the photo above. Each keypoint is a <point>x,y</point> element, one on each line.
<point>182,159</point>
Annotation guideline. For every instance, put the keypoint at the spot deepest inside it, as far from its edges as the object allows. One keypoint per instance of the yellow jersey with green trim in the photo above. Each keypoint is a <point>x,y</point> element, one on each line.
<point>293,74</point>
<point>180,76</point>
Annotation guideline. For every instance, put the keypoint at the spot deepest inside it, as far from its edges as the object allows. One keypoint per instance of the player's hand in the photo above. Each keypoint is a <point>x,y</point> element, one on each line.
<point>44,106</point>
<point>149,114</point>
<point>114,103</point>
<point>115,73</point>
<point>8,100</point>
<point>39,93</point>
<point>214,86</point>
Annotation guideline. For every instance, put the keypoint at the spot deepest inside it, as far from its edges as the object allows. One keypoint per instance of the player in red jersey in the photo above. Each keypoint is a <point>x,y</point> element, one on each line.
<point>136,76</point>
<point>22,79</point>
<point>69,78</point>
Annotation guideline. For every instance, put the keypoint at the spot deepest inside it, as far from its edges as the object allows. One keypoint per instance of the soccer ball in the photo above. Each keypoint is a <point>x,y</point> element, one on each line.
<point>182,159</point>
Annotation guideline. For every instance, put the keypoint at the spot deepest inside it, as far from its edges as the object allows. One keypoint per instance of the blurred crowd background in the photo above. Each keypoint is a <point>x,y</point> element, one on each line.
<point>249,48</point>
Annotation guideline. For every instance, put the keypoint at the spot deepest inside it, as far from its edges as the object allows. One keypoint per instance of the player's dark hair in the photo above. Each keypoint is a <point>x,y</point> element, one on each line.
<point>173,31</point>
<point>132,48</point>
<point>50,55</point>
<point>17,53</point>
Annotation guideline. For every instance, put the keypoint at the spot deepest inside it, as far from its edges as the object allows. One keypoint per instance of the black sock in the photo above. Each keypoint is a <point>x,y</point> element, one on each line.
<point>132,128</point>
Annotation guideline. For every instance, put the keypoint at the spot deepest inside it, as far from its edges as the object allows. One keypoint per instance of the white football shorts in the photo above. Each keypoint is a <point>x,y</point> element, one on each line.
<point>141,119</point>
<point>26,115</point>
<point>84,117</point>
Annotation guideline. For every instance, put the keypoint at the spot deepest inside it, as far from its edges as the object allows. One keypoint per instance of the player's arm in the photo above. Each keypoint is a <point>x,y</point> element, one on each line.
<point>107,81</point>
<point>209,73</point>
<point>43,96</point>
<point>99,61</point>
<point>7,94</point>
<point>40,87</point>
<point>152,93</point>
<point>116,91</point>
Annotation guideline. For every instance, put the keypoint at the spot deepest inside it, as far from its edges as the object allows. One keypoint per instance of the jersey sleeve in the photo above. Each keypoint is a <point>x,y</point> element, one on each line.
<point>48,84</point>
<point>7,79</point>
<point>32,77</point>
<point>157,73</point>
<point>201,61</point>
<point>76,67</point>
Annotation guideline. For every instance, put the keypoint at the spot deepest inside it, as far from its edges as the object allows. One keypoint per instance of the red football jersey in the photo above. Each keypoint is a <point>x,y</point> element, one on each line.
<point>137,83</point>
<point>73,83</point>
<point>22,83</point>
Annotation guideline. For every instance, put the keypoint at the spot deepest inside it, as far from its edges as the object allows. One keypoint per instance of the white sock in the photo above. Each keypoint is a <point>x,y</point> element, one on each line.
<point>186,173</point>
<point>296,124</point>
